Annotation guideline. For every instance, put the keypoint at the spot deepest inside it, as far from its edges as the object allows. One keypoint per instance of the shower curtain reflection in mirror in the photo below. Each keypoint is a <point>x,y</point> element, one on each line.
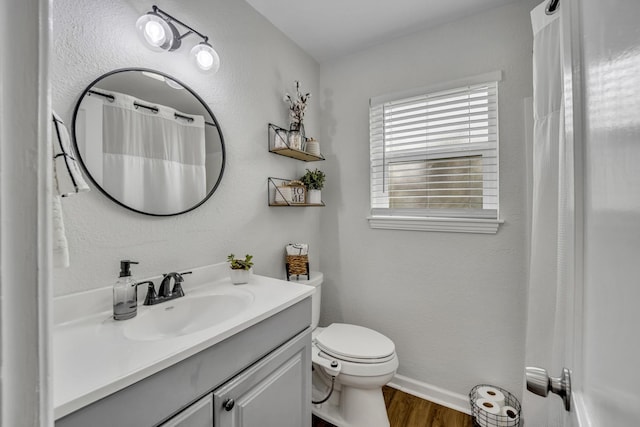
<point>150,159</point>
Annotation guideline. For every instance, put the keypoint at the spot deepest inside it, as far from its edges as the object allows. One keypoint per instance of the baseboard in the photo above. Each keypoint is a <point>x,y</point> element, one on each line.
<point>458,402</point>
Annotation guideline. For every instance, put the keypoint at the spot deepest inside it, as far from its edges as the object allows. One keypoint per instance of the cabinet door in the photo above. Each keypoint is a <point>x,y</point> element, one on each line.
<point>200,414</point>
<point>274,392</point>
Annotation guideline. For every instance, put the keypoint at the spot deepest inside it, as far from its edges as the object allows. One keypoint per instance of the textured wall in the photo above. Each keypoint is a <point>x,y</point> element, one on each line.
<point>454,304</point>
<point>258,64</point>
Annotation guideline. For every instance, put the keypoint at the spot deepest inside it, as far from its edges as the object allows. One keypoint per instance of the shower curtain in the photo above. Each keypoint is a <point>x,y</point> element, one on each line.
<point>153,159</point>
<point>551,251</point>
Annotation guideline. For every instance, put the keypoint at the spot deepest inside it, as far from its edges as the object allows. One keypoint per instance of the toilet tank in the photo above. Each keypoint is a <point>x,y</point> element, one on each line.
<point>315,280</point>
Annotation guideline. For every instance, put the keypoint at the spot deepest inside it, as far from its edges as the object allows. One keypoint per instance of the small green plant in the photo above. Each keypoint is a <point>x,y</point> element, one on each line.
<point>313,180</point>
<point>240,264</point>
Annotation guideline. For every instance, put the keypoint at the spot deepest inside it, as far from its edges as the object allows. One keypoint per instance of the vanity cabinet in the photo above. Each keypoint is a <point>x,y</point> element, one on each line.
<point>265,369</point>
<point>275,391</point>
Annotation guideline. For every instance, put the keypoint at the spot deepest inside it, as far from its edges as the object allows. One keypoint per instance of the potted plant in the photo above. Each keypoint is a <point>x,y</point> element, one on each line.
<point>314,181</point>
<point>240,269</point>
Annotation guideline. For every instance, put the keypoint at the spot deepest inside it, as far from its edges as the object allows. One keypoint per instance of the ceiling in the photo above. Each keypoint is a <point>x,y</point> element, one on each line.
<point>328,29</point>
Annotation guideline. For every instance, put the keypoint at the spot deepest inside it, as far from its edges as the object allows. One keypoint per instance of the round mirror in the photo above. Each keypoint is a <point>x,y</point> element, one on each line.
<point>148,142</point>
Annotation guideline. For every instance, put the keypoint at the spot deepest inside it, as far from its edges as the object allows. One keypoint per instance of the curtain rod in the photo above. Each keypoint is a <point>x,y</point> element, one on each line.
<point>111,98</point>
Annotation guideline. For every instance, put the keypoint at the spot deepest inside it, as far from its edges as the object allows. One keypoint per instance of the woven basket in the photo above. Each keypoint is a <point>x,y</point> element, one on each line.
<point>297,264</point>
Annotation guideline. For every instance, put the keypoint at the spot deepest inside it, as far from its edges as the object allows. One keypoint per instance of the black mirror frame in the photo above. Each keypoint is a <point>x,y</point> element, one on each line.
<point>192,92</point>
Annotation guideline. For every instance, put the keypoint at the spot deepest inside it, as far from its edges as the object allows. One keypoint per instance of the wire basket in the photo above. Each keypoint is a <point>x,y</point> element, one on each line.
<point>509,415</point>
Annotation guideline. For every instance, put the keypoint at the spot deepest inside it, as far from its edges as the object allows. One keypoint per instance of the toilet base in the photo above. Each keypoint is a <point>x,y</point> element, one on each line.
<point>349,406</point>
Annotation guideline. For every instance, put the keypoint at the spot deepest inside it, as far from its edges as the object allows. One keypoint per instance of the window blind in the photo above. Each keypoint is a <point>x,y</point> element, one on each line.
<point>436,154</point>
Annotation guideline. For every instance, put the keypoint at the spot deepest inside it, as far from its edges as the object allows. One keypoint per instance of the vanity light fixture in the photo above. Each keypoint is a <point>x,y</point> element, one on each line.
<point>157,29</point>
<point>206,57</point>
<point>153,76</point>
<point>173,84</point>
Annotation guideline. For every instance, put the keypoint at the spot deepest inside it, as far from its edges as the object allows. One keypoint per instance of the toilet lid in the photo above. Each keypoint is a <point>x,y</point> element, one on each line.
<point>355,343</point>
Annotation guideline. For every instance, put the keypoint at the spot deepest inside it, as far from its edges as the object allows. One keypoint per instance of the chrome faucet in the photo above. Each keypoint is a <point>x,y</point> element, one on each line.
<point>166,293</point>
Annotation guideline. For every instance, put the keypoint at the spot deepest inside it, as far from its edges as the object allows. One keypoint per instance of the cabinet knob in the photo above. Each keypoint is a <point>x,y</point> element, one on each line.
<point>228,404</point>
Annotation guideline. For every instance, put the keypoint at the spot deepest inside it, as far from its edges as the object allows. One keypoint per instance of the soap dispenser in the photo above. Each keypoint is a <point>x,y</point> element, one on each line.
<point>125,295</point>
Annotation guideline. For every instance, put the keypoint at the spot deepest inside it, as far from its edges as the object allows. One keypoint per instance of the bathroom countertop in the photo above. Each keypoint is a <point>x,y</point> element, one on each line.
<point>92,357</point>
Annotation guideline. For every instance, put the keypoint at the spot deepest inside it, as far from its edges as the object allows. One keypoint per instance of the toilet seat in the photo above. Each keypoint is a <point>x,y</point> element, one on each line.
<point>355,344</point>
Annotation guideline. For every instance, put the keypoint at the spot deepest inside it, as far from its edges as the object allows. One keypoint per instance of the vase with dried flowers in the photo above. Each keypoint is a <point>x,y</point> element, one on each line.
<point>297,108</point>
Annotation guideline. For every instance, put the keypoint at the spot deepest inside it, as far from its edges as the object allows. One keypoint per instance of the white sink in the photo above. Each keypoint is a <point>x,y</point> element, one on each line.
<point>185,315</point>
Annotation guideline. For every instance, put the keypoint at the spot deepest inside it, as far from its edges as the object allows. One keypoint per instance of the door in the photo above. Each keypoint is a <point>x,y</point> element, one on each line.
<point>199,414</point>
<point>589,317</point>
<point>610,340</point>
<point>276,391</point>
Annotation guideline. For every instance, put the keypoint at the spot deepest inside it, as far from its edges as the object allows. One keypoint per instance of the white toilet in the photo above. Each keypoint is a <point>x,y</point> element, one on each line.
<point>361,360</point>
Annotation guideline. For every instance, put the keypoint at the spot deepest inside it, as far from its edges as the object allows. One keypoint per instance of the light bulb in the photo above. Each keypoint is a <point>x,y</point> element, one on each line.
<point>156,33</point>
<point>206,58</point>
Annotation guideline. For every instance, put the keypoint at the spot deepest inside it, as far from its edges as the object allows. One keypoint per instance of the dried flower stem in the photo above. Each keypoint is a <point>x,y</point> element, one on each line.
<point>298,104</point>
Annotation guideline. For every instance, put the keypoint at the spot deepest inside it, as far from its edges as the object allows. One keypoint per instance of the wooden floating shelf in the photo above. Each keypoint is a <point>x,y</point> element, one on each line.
<point>296,154</point>
<point>279,144</point>
<point>277,196</point>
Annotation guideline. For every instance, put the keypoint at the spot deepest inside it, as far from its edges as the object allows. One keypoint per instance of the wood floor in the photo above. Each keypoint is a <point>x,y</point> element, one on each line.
<point>406,410</point>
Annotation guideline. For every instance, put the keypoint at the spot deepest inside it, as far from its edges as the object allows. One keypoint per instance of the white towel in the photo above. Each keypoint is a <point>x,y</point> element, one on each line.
<point>68,178</point>
<point>297,249</point>
<point>60,245</point>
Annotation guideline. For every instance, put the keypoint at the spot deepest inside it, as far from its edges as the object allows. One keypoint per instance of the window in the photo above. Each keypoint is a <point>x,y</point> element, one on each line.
<point>434,158</point>
<point>452,182</point>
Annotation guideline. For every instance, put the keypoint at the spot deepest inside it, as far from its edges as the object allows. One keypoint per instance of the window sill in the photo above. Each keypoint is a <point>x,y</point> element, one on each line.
<point>450,225</point>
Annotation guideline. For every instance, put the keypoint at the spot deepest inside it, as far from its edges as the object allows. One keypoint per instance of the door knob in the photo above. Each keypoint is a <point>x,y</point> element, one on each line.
<point>539,382</point>
<point>228,404</point>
